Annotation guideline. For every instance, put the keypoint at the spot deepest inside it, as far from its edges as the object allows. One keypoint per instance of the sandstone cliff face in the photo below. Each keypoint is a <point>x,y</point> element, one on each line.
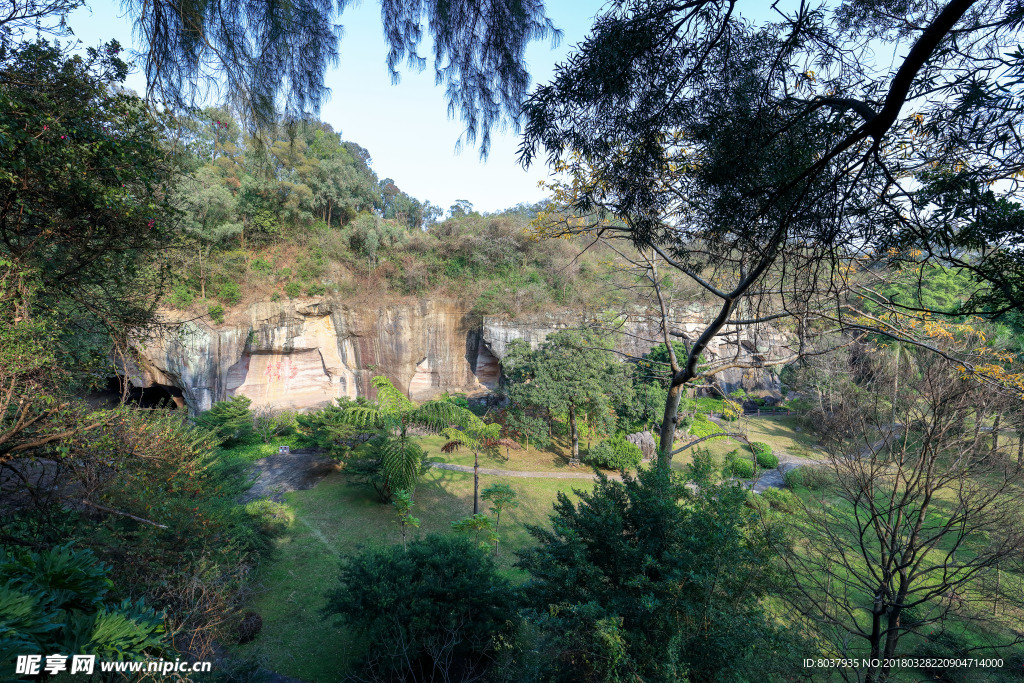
<point>637,334</point>
<point>304,353</point>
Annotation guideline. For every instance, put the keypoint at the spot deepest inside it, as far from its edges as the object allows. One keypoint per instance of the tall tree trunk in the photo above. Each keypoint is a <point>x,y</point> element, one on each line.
<point>896,384</point>
<point>202,274</point>
<point>995,432</point>
<point>1020,446</point>
<point>575,436</point>
<point>476,481</point>
<point>669,421</point>
<point>497,525</point>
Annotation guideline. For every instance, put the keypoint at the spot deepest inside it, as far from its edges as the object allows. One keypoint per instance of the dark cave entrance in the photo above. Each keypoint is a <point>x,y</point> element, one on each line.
<point>154,396</point>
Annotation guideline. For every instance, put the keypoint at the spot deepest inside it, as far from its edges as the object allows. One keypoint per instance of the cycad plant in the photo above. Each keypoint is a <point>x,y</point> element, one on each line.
<point>395,460</point>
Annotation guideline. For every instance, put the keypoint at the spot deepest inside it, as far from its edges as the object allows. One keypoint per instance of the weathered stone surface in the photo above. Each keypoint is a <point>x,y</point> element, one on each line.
<point>638,333</point>
<point>304,353</point>
<point>645,442</point>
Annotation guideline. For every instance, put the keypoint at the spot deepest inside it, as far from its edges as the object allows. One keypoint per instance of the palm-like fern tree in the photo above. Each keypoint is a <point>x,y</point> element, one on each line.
<point>475,434</point>
<point>398,458</point>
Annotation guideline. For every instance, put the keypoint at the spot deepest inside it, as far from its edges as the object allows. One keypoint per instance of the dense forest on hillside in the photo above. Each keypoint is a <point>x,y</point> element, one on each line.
<point>305,214</point>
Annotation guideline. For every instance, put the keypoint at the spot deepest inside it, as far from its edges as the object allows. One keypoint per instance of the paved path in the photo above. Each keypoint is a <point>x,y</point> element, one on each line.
<point>515,473</point>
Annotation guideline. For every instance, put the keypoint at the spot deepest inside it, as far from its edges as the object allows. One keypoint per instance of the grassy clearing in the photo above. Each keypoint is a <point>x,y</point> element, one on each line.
<point>337,518</point>
<point>778,432</point>
<point>969,629</point>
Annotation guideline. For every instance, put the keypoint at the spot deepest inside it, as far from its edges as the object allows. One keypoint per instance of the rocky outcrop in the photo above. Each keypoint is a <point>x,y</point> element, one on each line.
<point>645,442</point>
<point>304,353</point>
<point>636,334</point>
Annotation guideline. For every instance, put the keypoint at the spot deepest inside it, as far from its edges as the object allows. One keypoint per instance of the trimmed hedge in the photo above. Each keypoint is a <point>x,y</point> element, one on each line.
<point>764,455</point>
<point>742,468</point>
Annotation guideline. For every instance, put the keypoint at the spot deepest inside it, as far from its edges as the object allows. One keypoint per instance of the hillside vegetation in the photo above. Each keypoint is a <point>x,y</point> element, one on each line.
<point>306,215</point>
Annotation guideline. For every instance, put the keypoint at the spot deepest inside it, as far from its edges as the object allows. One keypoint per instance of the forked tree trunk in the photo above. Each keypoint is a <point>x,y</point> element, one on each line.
<point>669,421</point>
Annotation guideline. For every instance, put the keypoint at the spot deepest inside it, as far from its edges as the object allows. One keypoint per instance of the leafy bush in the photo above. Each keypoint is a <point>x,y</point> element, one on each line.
<point>229,293</point>
<point>260,265</point>
<point>293,290</point>
<point>810,477</point>
<point>216,312</point>
<point>57,601</point>
<point>181,296</point>
<point>316,290</point>
<point>731,410</point>
<point>431,612</point>
<point>230,419</point>
<point>615,454</point>
<point>741,468</point>
<point>781,500</point>
<point>764,455</point>
<point>268,424</point>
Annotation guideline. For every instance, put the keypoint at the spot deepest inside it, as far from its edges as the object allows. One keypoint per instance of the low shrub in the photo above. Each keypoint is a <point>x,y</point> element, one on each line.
<point>216,312</point>
<point>742,468</point>
<point>181,296</point>
<point>260,265</point>
<point>229,293</point>
<point>231,420</point>
<point>316,290</point>
<point>615,454</point>
<point>293,290</point>
<point>731,410</point>
<point>778,499</point>
<point>810,477</point>
<point>764,455</point>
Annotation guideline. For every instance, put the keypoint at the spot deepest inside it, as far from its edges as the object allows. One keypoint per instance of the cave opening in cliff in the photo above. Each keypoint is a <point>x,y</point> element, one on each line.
<point>154,396</point>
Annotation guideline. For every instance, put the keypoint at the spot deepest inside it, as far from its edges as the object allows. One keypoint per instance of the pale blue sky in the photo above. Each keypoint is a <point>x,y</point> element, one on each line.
<point>405,127</point>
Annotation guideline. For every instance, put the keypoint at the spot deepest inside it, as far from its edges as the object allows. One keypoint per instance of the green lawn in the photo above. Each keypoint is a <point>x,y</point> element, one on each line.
<point>970,624</point>
<point>337,518</point>
<point>778,432</point>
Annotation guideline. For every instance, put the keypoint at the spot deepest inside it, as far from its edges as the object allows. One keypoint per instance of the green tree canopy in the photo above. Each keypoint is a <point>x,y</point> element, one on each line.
<point>571,374</point>
<point>648,579</point>
<point>431,612</point>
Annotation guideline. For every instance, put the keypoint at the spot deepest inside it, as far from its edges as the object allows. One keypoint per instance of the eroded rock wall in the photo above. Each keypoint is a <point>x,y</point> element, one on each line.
<point>635,335</point>
<point>304,353</point>
<point>301,354</point>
